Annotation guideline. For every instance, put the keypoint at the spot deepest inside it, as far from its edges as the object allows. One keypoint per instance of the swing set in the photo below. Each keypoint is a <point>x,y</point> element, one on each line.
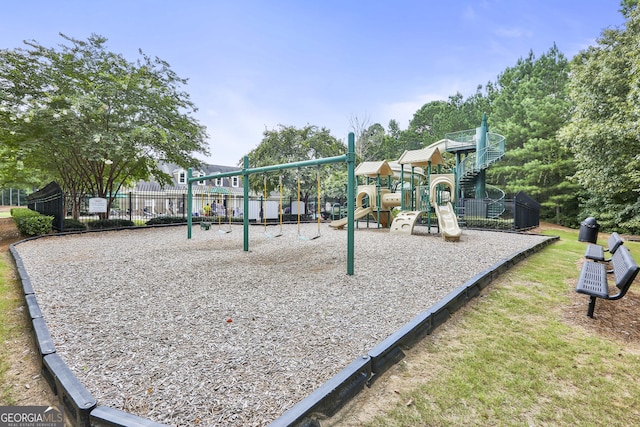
<point>264,207</point>
<point>299,210</point>
<point>246,171</point>
<point>206,224</point>
<point>300,236</point>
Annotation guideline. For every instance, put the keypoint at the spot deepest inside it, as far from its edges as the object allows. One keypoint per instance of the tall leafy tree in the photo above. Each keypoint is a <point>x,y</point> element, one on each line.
<point>530,106</point>
<point>628,6</point>
<point>93,120</point>
<point>434,119</point>
<point>373,142</point>
<point>380,144</point>
<point>605,124</point>
<point>288,144</point>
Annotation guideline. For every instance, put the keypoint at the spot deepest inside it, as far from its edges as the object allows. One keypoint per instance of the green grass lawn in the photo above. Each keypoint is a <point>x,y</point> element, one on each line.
<point>514,361</point>
<point>10,323</point>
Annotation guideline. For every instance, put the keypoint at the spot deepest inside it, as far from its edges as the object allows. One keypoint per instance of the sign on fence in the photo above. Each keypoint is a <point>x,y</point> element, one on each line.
<point>97,205</point>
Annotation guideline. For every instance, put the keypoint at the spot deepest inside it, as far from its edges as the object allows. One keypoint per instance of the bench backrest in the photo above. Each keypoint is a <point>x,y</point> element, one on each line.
<point>614,242</point>
<point>625,269</point>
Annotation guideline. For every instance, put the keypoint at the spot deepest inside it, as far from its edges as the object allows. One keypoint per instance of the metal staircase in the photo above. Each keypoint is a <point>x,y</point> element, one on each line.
<point>475,162</point>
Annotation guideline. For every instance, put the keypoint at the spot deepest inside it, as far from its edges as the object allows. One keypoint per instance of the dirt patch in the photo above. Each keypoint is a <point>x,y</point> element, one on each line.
<point>8,233</point>
<point>616,320</point>
<point>27,386</point>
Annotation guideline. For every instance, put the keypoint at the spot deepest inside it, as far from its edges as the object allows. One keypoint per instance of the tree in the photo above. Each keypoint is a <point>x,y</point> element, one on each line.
<point>530,106</point>
<point>436,118</point>
<point>91,119</point>
<point>287,144</point>
<point>372,140</point>
<point>628,6</point>
<point>603,130</point>
<point>359,128</point>
<point>378,144</point>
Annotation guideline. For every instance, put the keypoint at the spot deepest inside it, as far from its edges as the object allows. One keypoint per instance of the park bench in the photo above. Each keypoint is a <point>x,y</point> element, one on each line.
<point>593,280</point>
<point>596,252</point>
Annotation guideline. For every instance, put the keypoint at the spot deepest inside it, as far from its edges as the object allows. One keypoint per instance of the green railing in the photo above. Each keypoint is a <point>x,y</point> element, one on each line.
<point>480,160</point>
<point>464,139</point>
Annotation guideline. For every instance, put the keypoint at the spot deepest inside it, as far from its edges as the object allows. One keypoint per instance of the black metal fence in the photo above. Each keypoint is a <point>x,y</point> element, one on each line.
<point>527,212</point>
<point>140,207</point>
<point>49,201</point>
<point>517,213</point>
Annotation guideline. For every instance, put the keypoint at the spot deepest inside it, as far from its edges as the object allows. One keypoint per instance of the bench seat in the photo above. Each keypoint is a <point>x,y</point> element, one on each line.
<point>596,252</point>
<point>593,280</point>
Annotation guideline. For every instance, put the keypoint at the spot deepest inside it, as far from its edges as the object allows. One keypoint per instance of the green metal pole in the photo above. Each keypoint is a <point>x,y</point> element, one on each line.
<point>429,201</point>
<point>402,205</point>
<point>351,160</point>
<point>481,158</point>
<point>245,215</point>
<point>189,200</point>
<point>413,189</point>
<point>378,201</point>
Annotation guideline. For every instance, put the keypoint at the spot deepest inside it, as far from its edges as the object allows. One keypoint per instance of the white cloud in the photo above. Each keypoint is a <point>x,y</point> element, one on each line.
<point>512,33</point>
<point>469,13</point>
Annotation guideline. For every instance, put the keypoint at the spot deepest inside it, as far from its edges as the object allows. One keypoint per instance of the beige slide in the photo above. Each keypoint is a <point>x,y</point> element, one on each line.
<point>447,222</point>
<point>357,214</point>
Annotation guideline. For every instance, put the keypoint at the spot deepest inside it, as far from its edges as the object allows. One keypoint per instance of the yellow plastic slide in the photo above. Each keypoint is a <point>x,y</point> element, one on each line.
<point>357,214</point>
<point>447,222</point>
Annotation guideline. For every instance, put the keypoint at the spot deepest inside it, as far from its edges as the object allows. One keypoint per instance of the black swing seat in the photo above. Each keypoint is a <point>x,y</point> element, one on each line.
<point>593,280</point>
<point>596,252</point>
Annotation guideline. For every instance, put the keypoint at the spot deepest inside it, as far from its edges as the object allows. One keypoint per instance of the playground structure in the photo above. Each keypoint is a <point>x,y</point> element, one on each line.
<point>374,200</point>
<point>420,192</point>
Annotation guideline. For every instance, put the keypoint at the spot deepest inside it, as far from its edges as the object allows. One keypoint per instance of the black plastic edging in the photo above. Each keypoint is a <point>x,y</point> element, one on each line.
<point>330,397</point>
<point>105,416</point>
<point>75,398</point>
<point>32,305</point>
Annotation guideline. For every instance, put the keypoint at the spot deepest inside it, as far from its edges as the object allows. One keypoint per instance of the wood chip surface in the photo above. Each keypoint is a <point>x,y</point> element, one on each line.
<point>199,332</point>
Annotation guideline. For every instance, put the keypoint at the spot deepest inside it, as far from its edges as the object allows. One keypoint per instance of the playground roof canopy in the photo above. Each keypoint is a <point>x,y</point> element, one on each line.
<point>373,169</point>
<point>421,157</point>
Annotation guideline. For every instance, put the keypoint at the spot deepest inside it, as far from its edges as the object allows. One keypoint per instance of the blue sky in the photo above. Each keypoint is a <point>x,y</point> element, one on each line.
<point>253,65</point>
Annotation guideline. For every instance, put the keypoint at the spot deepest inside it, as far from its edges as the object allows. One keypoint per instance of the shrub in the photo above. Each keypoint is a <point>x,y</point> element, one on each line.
<point>30,222</point>
<point>17,213</point>
<point>167,220</point>
<point>109,223</point>
<point>71,224</point>
<point>34,225</point>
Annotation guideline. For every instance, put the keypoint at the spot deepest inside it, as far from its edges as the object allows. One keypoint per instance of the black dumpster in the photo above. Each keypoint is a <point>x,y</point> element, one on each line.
<point>589,230</point>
